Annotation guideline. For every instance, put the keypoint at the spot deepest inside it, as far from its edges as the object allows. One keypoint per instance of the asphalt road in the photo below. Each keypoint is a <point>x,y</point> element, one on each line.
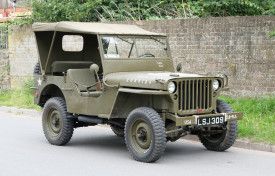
<point>97,151</point>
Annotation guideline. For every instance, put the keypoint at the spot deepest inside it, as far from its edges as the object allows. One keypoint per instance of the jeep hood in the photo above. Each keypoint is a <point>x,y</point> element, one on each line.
<point>148,80</point>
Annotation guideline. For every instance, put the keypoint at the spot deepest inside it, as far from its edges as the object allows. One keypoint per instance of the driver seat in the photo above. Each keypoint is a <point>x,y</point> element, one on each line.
<point>84,82</point>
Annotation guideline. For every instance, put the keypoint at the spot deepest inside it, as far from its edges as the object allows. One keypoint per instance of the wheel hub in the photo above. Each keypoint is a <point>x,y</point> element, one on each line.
<point>142,135</point>
<point>54,122</point>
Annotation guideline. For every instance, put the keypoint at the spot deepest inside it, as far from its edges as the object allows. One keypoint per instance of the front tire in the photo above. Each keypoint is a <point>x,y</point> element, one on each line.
<point>221,141</point>
<point>145,135</point>
<point>58,125</point>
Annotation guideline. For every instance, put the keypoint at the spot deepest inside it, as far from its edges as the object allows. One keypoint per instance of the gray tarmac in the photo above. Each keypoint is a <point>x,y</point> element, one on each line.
<point>97,151</point>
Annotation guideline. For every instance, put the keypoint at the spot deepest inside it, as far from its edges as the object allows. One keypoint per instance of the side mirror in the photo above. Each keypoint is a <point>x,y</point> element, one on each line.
<point>179,67</point>
<point>94,68</point>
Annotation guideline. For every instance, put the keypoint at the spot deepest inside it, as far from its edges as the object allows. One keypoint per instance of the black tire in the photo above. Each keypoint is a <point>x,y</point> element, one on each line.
<point>36,70</point>
<point>58,124</point>
<point>145,135</point>
<point>119,131</point>
<point>221,141</point>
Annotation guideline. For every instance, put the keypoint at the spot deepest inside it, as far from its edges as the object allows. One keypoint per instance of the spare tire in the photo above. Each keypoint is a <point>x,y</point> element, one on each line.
<point>36,70</point>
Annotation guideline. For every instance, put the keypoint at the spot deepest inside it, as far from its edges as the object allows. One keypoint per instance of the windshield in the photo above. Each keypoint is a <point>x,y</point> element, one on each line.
<point>134,47</point>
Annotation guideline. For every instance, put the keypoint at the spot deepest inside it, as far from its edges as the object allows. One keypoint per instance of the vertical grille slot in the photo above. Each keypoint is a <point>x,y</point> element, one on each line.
<point>180,96</point>
<point>194,94</point>
<point>210,93</point>
<point>188,95</point>
<point>202,94</point>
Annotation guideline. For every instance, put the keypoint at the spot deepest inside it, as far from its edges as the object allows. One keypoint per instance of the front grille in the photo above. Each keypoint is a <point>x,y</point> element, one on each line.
<point>194,94</point>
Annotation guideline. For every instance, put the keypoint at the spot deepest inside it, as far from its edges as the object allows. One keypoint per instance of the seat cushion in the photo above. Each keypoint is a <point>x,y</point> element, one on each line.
<point>82,77</point>
<point>63,66</point>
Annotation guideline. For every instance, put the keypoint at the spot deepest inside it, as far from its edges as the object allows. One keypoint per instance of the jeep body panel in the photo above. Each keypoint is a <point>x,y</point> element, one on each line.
<point>77,104</point>
<point>146,79</point>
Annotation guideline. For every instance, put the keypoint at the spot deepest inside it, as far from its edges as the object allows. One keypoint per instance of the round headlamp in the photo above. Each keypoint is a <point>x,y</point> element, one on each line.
<point>216,85</point>
<point>171,87</point>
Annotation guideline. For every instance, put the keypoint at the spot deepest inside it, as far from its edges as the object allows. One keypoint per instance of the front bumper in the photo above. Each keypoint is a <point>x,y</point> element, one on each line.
<point>192,120</point>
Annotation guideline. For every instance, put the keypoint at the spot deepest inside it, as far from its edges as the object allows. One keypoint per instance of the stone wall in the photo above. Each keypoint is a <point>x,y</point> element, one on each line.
<point>236,46</point>
<point>4,69</point>
<point>22,54</point>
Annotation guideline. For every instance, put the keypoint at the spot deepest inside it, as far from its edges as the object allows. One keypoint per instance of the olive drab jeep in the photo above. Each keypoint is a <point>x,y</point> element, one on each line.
<point>123,76</point>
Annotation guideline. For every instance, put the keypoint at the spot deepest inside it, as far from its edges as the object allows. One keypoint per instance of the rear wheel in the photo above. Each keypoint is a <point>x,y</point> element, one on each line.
<point>145,135</point>
<point>36,70</point>
<point>224,140</point>
<point>119,131</point>
<point>58,125</point>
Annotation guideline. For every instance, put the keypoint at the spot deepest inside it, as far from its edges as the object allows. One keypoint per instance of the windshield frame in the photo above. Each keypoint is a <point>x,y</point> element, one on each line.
<point>169,56</point>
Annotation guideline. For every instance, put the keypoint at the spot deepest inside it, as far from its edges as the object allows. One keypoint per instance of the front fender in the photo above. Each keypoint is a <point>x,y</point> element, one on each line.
<point>128,99</point>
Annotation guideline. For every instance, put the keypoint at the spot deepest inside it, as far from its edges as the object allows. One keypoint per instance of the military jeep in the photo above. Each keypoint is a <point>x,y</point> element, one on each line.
<point>123,76</point>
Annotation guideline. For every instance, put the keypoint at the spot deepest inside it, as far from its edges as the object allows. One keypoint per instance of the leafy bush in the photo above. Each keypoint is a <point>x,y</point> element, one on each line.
<point>60,10</point>
<point>125,10</point>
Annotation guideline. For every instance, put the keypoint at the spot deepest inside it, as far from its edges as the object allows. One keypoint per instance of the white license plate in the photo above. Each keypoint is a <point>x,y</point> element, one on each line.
<point>206,121</point>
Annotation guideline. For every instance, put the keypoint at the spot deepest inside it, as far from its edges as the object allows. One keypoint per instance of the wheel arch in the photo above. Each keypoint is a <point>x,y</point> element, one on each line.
<point>48,92</point>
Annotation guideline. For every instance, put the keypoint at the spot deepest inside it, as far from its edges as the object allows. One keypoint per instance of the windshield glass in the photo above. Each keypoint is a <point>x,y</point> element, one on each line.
<point>134,47</point>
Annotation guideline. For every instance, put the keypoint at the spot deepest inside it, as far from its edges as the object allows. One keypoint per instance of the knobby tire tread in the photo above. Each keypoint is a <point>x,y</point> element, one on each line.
<point>160,136</point>
<point>68,122</point>
<point>231,134</point>
<point>117,130</point>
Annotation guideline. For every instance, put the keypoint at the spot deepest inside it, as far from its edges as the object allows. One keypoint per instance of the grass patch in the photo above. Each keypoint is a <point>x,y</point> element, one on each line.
<point>258,124</point>
<point>21,97</point>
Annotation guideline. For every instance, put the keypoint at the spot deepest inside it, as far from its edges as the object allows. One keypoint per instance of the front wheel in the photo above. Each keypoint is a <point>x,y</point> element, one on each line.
<point>57,124</point>
<point>145,135</point>
<point>224,140</point>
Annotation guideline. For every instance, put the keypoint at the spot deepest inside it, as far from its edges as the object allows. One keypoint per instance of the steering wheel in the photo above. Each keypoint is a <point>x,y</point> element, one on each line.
<point>147,55</point>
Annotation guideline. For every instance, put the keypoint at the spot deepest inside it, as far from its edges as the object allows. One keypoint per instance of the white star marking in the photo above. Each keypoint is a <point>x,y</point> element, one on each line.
<point>39,82</point>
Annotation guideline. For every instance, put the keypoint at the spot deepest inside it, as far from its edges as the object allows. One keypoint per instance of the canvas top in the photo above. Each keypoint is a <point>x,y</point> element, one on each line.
<point>93,28</point>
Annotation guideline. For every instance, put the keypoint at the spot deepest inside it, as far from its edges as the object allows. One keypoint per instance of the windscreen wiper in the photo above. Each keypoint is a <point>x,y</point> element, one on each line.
<point>157,40</point>
<point>132,44</point>
<point>165,49</point>
<point>123,39</point>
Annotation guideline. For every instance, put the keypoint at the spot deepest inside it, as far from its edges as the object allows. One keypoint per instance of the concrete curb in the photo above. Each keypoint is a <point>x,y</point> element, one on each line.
<point>240,143</point>
<point>21,112</point>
